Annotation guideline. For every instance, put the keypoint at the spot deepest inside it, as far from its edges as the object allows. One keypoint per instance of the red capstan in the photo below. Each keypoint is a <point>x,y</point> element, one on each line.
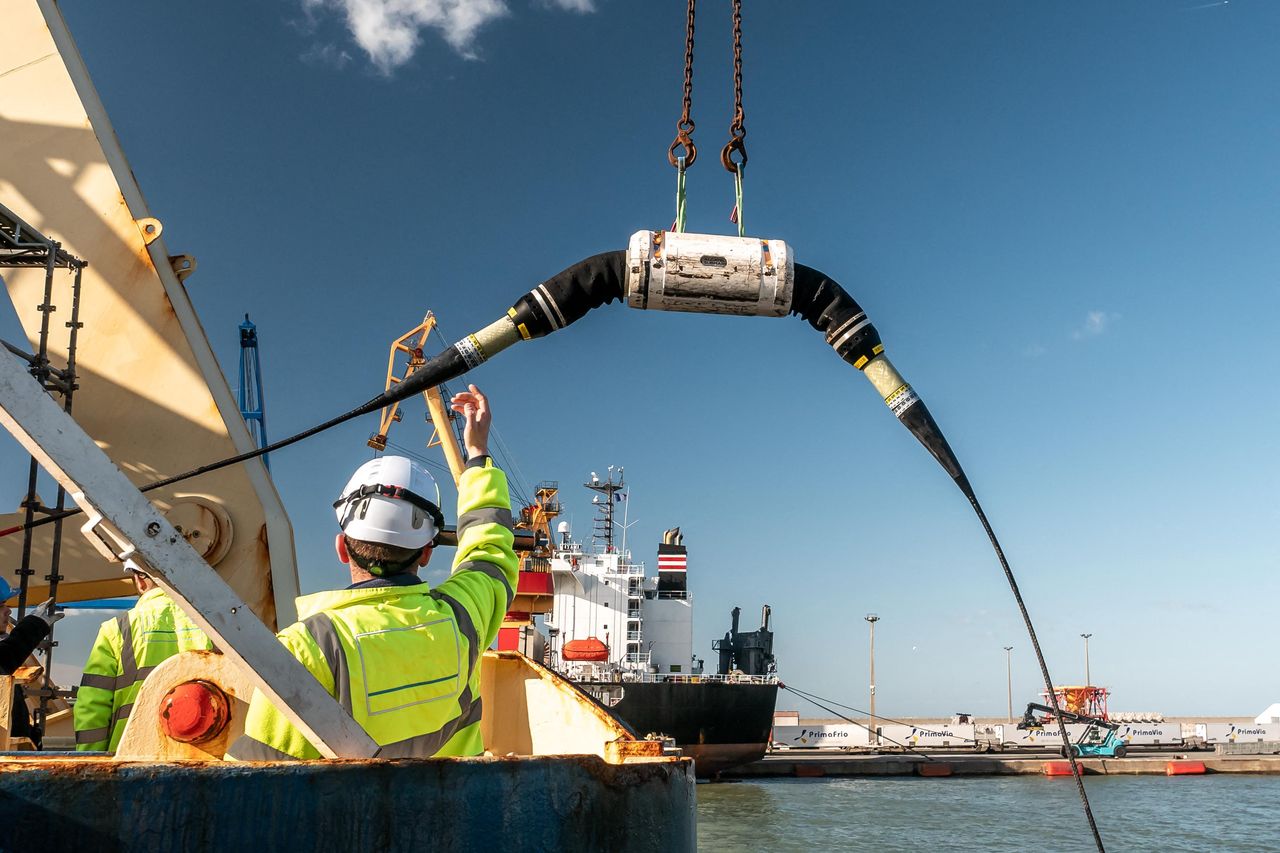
<point>194,712</point>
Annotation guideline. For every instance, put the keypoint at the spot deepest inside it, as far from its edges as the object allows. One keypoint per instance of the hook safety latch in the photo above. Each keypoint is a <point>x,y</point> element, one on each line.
<point>690,150</point>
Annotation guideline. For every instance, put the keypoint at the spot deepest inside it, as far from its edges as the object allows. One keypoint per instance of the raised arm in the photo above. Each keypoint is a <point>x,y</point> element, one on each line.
<point>485,567</point>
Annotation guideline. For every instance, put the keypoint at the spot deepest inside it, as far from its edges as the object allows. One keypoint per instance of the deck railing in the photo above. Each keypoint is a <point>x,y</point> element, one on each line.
<point>648,677</point>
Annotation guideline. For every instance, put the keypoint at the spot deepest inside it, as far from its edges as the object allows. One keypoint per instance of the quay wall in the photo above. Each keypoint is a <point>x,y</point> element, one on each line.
<point>818,765</point>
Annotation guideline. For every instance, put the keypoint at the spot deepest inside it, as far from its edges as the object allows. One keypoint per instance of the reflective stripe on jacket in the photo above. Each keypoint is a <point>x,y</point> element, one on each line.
<point>126,650</point>
<point>403,660</point>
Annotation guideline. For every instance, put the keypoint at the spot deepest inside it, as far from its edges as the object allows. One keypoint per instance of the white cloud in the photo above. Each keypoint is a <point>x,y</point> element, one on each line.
<point>1095,323</point>
<point>327,54</point>
<point>582,6</point>
<point>390,31</point>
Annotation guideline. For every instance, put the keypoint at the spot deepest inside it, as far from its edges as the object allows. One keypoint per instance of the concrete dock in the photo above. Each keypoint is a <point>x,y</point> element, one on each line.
<point>813,764</point>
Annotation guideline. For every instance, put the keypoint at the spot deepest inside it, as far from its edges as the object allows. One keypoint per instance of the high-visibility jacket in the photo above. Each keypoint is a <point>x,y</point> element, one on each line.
<point>126,650</point>
<point>403,660</point>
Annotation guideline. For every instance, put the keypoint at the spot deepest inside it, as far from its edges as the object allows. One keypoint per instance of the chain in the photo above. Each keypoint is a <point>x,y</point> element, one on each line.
<point>737,128</point>
<point>684,127</point>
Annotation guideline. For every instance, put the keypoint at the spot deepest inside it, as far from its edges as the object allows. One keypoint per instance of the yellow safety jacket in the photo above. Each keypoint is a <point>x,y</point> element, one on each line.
<point>126,650</point>
<point>403,659</point>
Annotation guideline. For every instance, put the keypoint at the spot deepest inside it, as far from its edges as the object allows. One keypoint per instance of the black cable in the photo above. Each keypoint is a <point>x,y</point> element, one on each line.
<point>858,724</point>
<point>830,309</point>
<point>447,365</point>
<point>502,454</point>
<point>1044,668</point>
<point>568,296</point>
<point>560,300</point>
<point>205,469</point>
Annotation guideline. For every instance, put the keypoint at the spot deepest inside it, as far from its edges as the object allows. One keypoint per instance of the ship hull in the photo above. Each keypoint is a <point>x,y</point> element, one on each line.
<point>720,725</point>
<point>565,803</point>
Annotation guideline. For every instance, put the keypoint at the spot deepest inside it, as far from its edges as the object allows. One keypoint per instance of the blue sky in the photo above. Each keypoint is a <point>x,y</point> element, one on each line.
<point>1062,218</point>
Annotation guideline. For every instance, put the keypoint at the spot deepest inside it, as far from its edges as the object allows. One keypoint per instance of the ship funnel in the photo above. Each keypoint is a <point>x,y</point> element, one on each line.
<point>765,612</point>
<point>734,614</point>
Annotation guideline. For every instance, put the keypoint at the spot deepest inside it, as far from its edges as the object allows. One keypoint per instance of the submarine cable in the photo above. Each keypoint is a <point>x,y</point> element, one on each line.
<point>553,304</point>
<point>697,273</point>
<point>1044,668</point>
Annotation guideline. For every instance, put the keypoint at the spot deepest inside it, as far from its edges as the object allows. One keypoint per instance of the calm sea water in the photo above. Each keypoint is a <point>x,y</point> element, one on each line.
<point>1019,813</point>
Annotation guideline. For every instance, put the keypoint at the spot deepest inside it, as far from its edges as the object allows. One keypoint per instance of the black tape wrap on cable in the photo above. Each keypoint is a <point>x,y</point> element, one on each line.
<point>552,305</point>
<point>569,295</point>
<point>437,369</point>
<point>830,309</point>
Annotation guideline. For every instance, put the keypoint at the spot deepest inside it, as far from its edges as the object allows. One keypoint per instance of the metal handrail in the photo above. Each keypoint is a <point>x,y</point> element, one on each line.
<point>715,677</point>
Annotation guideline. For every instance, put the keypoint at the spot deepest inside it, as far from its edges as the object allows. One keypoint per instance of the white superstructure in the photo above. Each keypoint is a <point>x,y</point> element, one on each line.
<point>610,620</point>
<point>608,597</point>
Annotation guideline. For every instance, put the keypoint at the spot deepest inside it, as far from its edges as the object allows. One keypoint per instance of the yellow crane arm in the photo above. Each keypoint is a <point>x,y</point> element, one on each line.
<point>412,343</point>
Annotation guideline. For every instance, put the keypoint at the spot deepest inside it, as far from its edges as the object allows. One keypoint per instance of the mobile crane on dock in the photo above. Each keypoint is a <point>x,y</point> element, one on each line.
<point>1091,743</point>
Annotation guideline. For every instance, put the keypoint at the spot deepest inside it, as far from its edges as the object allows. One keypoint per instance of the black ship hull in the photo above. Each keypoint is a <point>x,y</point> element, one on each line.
<point>719,724</point>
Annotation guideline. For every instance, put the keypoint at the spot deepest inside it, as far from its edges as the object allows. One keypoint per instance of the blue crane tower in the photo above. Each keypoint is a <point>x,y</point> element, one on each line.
<point>251,404</point>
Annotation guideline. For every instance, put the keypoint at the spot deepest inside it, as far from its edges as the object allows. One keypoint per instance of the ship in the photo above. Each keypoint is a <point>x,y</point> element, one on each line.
<point>150,402</point>
<point>625,637</point>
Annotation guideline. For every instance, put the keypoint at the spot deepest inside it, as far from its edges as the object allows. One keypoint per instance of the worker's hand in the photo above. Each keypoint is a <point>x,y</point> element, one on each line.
<point>44,610</point>
<point>474,408</point>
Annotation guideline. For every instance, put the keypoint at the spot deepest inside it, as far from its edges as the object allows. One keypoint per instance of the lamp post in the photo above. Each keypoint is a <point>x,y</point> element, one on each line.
<point>1008,672</point>
<point>872,619</point>
<point>1087,681</point>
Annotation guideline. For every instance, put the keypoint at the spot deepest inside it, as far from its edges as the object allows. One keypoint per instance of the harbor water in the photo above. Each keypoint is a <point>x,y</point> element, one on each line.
<point>1015,813</point>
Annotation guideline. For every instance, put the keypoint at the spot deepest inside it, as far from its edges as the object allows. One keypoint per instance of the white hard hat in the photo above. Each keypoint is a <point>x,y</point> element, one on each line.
<point>131,566</point>
<point>393,501</point>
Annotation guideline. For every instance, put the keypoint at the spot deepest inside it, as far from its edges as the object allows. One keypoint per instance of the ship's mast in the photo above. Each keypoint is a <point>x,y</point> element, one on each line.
<point>602,531</point>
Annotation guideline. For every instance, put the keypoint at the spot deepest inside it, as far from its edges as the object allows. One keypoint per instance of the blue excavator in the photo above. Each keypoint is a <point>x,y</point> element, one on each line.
<point>1098,739</point>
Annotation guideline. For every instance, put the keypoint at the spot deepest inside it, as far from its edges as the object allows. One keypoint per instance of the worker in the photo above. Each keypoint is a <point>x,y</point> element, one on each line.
<point>127,648</point>
<point>401,658</point>
<point>16,646</point>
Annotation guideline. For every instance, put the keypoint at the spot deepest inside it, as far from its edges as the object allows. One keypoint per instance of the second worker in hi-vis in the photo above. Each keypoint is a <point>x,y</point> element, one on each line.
<point>401,658</point>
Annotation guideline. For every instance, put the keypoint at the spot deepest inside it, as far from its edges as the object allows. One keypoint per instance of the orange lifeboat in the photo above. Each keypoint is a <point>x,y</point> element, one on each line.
<point>590,649</point>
